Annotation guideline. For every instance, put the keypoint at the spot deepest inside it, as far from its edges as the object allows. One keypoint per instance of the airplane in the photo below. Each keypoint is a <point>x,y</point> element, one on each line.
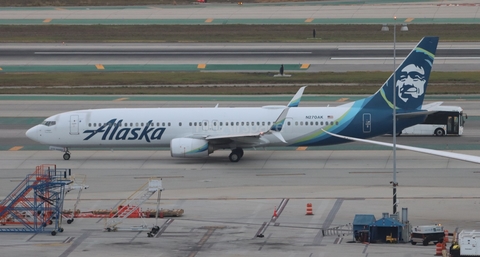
<point>198,132</point>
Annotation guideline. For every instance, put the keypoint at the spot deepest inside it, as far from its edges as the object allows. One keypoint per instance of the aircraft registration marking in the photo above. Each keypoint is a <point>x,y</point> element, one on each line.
<point>309,20</point>
<point>15,148</point>
<point>47,20</point>
<point>99,67</point>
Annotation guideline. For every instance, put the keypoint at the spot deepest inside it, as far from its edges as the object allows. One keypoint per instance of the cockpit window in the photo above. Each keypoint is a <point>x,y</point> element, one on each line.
<point>49,123</point>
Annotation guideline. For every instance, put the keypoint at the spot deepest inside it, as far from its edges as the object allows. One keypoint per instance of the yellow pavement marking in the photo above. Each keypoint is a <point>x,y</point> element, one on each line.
<point>305,66</point>
<point>202,66</point>
<point>409,19</point>
<point>121,99</point>
<point>309,20</point>
<point>15,148</point>
<point>0,68</point>
<point>99,67</point>
<point>302,148</point>
<point>209,20</point>
<point>59,9</point>
<point>342,99</point>
<point>47,20</point>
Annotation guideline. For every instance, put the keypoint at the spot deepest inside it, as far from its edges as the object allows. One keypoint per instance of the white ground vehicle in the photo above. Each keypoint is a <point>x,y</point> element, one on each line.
<point>427,234</point>
<point>448,120</point>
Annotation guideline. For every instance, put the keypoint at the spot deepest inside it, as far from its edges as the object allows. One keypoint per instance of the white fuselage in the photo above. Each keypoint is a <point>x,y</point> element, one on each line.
<point>86,128</point>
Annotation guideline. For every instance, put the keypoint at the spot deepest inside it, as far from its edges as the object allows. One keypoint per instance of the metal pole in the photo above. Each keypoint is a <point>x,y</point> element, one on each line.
<point>158,205</point>
<point>394,118</point>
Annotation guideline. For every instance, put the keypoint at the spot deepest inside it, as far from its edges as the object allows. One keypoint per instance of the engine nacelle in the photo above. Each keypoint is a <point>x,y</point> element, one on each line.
<point>190,148</point>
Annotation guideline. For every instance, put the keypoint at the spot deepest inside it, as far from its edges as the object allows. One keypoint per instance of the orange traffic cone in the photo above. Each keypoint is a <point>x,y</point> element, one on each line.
<point>309,209</point>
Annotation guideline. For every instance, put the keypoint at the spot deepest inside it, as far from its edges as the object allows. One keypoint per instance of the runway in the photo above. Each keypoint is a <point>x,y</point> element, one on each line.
<point>226,204</point>
<point>337,57</point>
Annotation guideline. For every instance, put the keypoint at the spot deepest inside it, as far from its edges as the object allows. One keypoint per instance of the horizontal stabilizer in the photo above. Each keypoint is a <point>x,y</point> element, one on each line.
<point>457,156</point>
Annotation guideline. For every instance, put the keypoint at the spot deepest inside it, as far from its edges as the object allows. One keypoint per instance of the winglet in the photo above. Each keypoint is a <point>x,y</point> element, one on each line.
<point>296,98</point>
<point>278,125</point>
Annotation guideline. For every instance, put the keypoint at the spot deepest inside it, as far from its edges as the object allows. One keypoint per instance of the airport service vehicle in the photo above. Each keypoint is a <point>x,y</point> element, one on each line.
<point>446,120</point>
<point>467,244</point>
<point>427,234</point>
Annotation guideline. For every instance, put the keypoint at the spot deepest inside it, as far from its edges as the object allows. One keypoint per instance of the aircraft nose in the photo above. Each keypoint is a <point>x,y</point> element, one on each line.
<point>32,133</point>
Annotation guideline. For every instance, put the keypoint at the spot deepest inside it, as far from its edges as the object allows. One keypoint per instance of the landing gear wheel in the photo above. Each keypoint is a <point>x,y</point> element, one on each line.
<point>60,230</point>
<point>66,156</point>
<point>69,221</point>
<point>234,157</point>
<point>53,233</point>
<point>239,151</point>
<point>439,132</point>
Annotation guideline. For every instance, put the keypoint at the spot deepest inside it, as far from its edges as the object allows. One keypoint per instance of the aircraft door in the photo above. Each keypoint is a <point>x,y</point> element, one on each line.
<point>367,123</point>
<point>74,125</point>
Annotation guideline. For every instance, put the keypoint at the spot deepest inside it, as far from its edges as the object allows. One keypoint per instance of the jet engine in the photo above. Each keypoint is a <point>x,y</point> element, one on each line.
<point>190,147</point>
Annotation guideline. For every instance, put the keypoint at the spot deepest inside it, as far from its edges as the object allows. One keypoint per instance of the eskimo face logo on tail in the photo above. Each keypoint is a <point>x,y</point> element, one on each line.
<point>112,130</point>
<point>411,84</point>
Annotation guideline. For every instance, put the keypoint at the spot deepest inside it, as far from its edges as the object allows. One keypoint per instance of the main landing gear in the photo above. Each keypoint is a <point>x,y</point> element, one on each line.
<point>236,155</point>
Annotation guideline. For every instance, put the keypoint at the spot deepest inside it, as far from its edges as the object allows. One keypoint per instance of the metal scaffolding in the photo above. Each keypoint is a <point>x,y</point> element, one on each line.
<point>132,205</point>
<point>36,202</point>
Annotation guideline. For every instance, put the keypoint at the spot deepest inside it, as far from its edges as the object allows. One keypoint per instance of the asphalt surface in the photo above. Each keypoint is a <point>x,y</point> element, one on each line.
<point>223,56</point>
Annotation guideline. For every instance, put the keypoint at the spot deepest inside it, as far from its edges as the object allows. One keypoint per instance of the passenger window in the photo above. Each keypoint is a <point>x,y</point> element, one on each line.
<point>169,124</point>
<point>179,124</point>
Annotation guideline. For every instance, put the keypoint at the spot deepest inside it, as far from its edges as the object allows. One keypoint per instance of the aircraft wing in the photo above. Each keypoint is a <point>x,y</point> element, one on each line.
<point>247,137</point>
<point>457,156</point>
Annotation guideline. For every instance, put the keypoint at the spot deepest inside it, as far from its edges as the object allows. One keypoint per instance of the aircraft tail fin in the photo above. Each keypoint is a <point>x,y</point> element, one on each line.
<point>411,76</point>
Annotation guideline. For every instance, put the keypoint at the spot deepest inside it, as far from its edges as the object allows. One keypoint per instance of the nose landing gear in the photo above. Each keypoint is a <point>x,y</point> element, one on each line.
<point>66,155</point>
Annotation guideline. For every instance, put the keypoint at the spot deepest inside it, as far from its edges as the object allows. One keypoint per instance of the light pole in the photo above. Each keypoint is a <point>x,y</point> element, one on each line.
<point>394,87</point>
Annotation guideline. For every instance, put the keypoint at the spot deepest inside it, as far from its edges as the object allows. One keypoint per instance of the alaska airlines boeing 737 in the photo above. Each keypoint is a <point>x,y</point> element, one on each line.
<point>198,132</point>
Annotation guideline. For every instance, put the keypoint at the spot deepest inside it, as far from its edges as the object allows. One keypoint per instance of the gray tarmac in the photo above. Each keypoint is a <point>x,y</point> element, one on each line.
<point>226,204</point>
